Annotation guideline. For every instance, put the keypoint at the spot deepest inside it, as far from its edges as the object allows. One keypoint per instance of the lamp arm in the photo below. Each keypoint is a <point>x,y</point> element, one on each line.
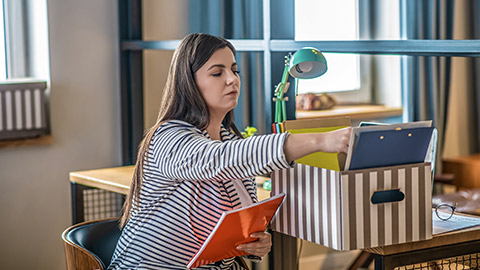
<point>280,106</point>
<point>281,86</point>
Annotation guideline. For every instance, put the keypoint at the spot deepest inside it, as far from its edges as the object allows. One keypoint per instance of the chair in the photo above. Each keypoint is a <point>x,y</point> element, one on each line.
<point>90,245</point>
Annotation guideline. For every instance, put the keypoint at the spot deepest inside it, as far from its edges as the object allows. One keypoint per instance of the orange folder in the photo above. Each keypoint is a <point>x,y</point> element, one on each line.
<point>234,228</point>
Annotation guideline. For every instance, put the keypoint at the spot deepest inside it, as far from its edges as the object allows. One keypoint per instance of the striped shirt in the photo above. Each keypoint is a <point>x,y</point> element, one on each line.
<point>187,185</point>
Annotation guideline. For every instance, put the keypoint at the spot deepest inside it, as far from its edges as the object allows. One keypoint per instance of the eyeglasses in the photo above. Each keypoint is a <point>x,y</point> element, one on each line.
<point>445,211</point>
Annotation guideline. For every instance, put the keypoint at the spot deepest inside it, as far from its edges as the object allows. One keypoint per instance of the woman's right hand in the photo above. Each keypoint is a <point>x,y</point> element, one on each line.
<point>258,248</point>
<point>299,145</point>
<point>336,141</point>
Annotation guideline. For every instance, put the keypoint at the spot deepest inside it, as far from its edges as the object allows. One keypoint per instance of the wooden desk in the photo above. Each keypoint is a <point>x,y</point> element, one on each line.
<point>447,245</point>
<point>117,180</point>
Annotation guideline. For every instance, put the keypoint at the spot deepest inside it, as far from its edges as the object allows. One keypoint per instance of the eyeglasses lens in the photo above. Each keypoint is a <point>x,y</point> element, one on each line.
<point>444,212</point>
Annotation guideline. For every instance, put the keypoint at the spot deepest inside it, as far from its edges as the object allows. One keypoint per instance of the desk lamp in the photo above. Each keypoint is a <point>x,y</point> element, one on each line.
<point>306,63</point>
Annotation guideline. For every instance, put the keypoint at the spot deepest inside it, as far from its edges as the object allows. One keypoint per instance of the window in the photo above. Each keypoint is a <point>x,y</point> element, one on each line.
<point>24,39</point>
<point>317,20</point>
<point>352,78</point>
<point>24,69</point>
<point>3,63</point>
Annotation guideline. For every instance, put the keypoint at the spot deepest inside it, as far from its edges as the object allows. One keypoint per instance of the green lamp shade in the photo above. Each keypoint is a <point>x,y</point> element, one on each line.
<point>307,63</point>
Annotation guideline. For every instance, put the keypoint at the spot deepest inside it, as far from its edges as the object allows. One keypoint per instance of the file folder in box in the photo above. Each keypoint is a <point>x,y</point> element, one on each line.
<point>347,210</point>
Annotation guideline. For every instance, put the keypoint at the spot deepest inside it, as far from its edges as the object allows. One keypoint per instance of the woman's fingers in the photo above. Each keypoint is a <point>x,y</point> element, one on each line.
<point>261,247</point>
<point>338,140</point>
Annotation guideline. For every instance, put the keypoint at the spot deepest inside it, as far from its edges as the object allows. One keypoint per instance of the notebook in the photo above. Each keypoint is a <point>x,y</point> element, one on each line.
<point>234,228</point>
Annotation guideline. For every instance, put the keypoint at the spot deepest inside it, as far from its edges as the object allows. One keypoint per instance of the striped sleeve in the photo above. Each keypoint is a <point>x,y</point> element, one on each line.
<point>182,152</point>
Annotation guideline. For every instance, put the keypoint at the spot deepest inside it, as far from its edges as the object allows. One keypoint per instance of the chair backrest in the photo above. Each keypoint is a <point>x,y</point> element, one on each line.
<point>90,245</point>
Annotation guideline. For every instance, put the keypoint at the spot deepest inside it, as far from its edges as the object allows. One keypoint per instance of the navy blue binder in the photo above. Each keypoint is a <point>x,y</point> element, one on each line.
<point>381,148</point>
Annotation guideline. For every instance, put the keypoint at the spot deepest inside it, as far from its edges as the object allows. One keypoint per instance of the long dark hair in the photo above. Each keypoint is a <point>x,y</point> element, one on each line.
<point>181,100</point>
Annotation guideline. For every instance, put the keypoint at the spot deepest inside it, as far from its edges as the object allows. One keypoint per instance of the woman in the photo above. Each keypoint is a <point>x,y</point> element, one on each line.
<point>192,164</point>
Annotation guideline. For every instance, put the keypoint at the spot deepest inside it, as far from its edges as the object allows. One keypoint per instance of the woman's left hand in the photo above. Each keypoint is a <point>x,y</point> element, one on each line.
<point>259,248</point>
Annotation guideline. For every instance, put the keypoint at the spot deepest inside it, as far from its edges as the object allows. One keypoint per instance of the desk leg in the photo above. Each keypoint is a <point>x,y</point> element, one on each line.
<point>77,202</point>
<point>284,252</point>
<point>379,262</point>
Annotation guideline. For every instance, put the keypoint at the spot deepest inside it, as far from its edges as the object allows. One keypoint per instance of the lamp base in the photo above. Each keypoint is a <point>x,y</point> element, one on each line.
<point>312,102</point>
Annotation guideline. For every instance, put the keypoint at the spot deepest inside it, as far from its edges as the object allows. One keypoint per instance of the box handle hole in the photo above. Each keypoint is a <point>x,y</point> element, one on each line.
<point>387,196</point>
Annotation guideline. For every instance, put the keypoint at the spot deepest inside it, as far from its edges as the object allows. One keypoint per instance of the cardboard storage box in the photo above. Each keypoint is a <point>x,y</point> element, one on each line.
<point>347,210</point>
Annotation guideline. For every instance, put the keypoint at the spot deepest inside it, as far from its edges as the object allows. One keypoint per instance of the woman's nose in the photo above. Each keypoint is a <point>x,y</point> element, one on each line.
<point>232,78</point>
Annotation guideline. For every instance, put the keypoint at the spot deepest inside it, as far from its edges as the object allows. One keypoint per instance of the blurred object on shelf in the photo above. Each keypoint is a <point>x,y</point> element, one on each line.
<point>311,102</point>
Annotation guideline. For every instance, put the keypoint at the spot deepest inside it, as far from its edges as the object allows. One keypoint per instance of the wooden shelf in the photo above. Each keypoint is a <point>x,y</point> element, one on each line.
<point>466,170</point>
<point>43,140</point>
<point>355,112</point>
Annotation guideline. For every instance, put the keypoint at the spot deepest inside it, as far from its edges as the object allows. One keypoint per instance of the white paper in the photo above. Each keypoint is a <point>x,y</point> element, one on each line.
<point>456,222</point>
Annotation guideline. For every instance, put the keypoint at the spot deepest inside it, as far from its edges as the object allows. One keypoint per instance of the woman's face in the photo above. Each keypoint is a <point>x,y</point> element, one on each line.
<point>219,82</point>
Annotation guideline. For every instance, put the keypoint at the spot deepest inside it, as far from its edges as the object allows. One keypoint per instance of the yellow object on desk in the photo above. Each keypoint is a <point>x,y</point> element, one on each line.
<point>331,161</point>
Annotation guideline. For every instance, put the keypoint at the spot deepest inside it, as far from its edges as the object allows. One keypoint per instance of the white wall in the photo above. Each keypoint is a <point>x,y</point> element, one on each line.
<point>85,117</point>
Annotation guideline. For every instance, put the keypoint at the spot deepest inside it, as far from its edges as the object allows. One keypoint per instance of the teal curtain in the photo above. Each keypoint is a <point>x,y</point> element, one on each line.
<point>475,11</point>
<point>237,19</point>
<point>425,79</point>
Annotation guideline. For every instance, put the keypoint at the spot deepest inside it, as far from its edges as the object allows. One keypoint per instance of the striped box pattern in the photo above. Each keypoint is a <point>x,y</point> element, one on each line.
<point>334,209</point>
<point>22,109</point>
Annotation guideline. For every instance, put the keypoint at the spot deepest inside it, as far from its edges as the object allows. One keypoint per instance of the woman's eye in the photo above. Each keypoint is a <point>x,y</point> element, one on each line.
<point>236,72</point>
<point>217,74</point>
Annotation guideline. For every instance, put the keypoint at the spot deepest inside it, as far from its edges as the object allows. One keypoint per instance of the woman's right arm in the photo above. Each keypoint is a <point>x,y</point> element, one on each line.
<point>180,152</point>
